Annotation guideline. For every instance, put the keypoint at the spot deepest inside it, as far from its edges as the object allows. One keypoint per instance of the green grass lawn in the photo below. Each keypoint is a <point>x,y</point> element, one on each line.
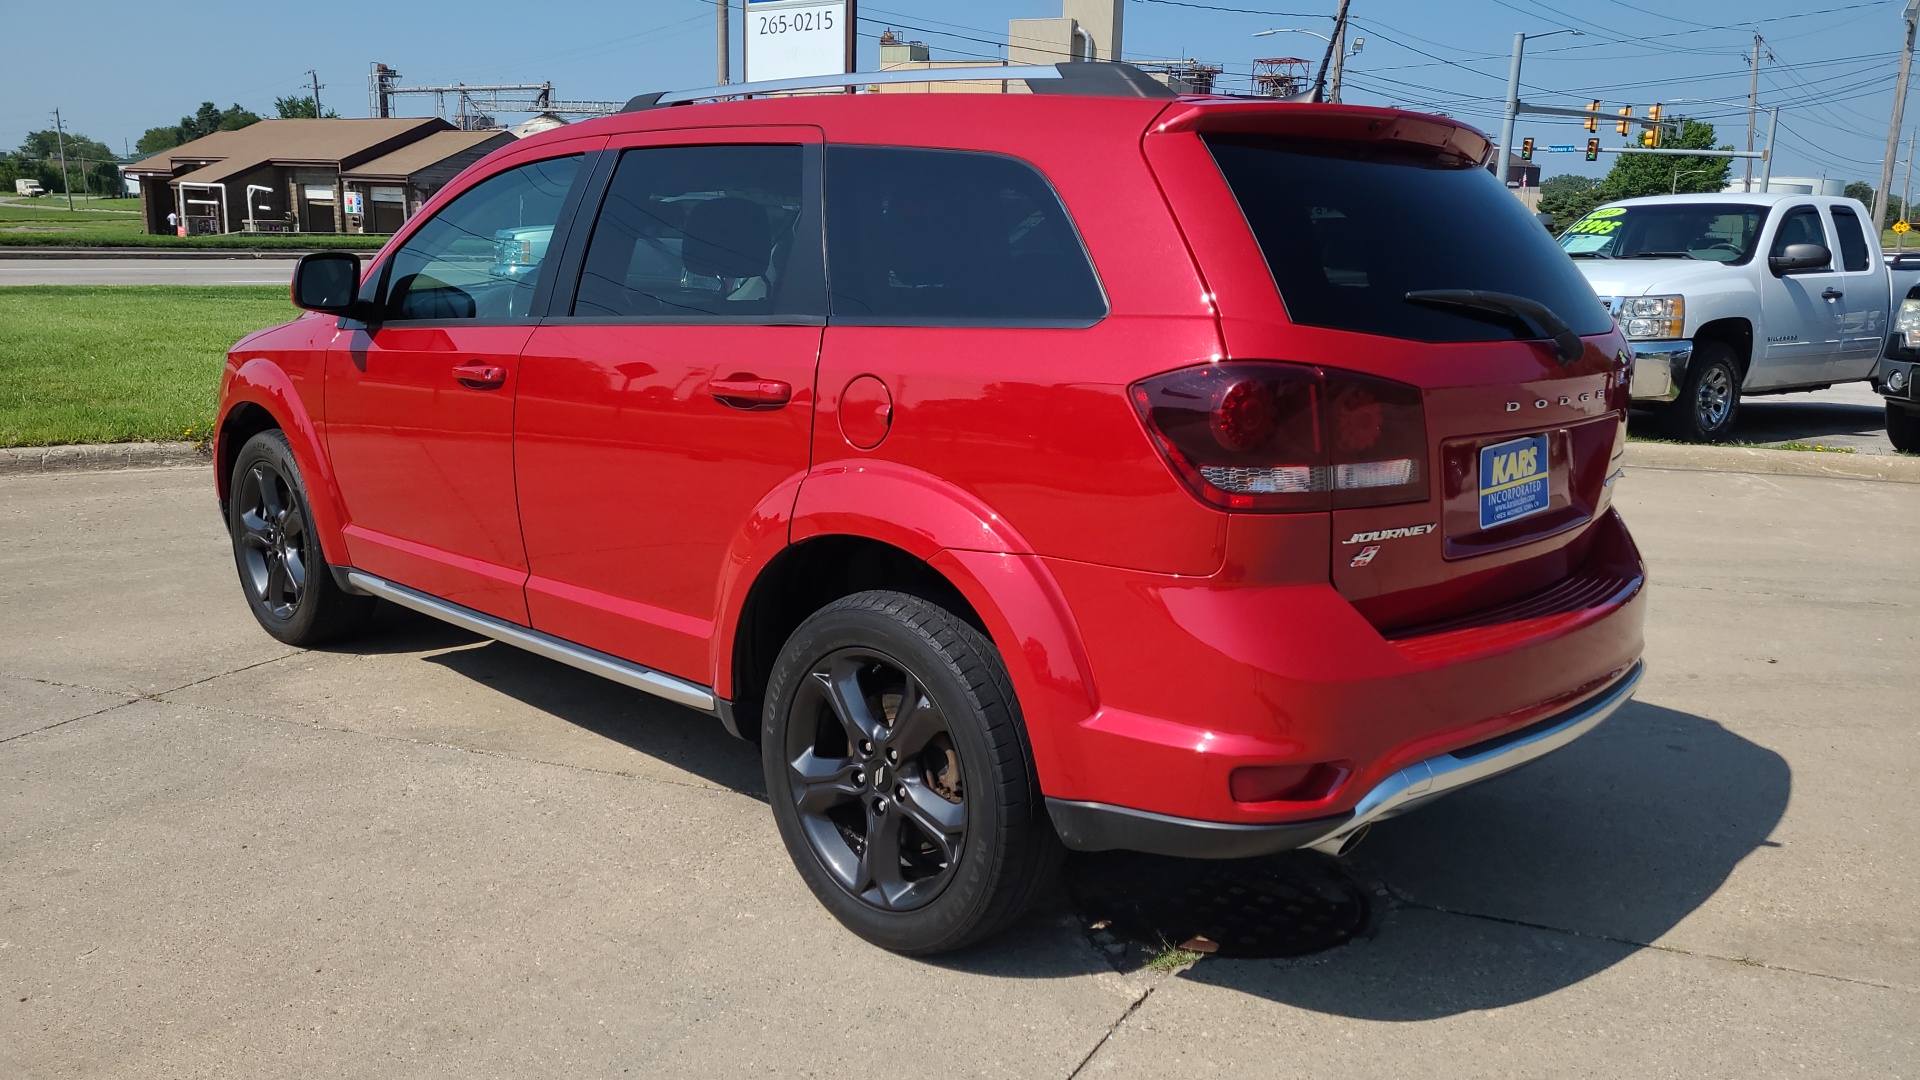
<point>106,363</point>
<point>46,222</point>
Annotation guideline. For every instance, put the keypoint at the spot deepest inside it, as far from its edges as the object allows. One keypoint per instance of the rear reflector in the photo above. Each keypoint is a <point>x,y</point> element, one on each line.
<point>1286,783</point>
<point>1290,438</point>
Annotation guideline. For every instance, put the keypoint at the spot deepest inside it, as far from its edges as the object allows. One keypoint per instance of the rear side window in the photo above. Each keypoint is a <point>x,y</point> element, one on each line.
<point>951,237</point>
<point>698,232</point>
<point>1853,238</point>
<point>1348,233</point>
<point>481,255</point>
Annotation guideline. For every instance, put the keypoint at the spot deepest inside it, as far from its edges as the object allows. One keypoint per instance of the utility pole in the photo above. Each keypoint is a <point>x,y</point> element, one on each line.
<point>1339,61</point>
<point>1893,129</point>
<point>60,138</point>
<point>1333,50</point>
<point>315,76</point>
<point>1906,192</point>
<point>1753,110</point>
<point>1766,166</point>
<point>723,7</point>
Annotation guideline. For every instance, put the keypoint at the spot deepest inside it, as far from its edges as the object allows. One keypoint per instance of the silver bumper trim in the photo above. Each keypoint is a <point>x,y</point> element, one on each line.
<point>624,672</point>
<point>1446,773</point>
<point>1660,369</point>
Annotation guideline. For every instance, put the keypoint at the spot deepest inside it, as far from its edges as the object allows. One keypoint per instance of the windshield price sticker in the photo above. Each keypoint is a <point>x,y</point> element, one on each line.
<point>1513,480</point>
<point>1600,222</point>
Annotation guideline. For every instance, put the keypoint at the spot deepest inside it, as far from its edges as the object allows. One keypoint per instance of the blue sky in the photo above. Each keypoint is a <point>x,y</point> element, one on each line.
<point>116,68</point>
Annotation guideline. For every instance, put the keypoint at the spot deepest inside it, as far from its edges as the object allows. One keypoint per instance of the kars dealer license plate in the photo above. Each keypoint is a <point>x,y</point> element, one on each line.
<point>1513,480</point>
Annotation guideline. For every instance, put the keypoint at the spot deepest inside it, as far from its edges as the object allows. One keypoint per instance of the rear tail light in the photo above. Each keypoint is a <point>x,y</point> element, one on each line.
<point>1256,435</point>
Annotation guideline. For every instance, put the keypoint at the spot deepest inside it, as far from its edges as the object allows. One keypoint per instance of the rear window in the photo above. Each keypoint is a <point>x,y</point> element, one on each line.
<point>1349,231</point>
<point>946,237</point>
<point>1853,238</point>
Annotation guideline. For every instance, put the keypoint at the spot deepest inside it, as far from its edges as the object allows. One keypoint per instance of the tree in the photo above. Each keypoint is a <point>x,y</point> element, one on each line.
<point>1568,197</point>
<point>1863,191</point>
<point>206,120</point>
<point>1634,175</point>
<point>299,108</point>
<point>39,157</point>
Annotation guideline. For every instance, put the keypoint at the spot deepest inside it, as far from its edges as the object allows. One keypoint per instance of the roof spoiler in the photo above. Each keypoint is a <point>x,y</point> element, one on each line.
<point>1082,78</point>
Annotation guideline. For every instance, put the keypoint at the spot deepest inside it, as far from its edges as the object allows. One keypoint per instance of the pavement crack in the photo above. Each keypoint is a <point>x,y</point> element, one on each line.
<point>71,719</point>
<point>1748,961</point>
<point>1131,1009</point>
<point>221,675</point>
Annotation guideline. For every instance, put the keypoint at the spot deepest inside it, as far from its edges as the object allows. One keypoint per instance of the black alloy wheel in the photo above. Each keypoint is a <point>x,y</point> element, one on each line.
<point>900,776</point>
<point>283,572</point>
<point>876,779</point>
<point>272,539</point>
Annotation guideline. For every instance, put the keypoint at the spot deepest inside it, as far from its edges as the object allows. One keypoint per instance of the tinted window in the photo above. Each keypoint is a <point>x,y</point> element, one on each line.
<point>696,231</point>
<point>1800,226</point>
<point>1853,238</point>
<point>1712,232</point>
<point>480,256</point>
<point>1348,233</point>
<point>946,236</point>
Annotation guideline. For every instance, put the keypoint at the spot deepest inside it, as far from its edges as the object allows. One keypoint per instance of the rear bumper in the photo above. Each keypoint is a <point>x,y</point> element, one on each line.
<point>1195,678</point>
<point>1085,826</point>
<point>1660,369</point>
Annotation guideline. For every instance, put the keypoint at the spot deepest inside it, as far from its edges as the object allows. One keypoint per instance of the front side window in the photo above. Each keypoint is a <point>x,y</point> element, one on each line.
<point>1853,238</point>
<point>696,232</point>
<point>1800,226</point>
<point>480,257</point>
<point>951,237</point>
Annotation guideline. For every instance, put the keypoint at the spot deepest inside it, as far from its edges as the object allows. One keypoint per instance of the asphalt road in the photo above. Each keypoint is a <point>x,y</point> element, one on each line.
<point>240,271</point>
<point>424,855</point>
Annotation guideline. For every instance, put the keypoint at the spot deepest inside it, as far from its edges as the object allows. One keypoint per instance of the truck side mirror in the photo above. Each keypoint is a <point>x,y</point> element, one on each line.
<point>328,281</point>
<point>1795,258</point>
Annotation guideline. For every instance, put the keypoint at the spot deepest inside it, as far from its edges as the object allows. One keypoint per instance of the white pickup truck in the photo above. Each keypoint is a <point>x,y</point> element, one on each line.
<point>1732,294</point>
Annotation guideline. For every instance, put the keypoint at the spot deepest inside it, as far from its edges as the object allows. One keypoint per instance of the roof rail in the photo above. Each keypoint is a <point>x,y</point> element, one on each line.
<point>1094,79</point>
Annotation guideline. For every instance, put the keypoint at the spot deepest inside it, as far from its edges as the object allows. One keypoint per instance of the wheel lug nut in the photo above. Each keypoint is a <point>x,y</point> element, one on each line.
<point>893,756</point>
<point>900,793</point>
<point>866,747</point>
<point>859,777</point>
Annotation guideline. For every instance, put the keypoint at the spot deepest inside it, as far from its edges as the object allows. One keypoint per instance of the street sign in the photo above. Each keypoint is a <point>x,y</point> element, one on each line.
<point>1562,148</point>
<point>795,39</point>
<point>1901,226</point>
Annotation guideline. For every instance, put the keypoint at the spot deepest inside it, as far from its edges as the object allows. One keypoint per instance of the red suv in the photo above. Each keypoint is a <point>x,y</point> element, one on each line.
<point>1095,466</point>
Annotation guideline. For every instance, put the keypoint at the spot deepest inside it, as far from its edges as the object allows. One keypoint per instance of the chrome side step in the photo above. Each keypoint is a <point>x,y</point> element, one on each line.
<point>624,672</point>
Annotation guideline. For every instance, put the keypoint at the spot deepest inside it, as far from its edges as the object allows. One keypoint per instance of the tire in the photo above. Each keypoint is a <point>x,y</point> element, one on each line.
<point>949,787</point>
<point>283,573</point>
<point>1903,429</point>
<point>1709,401</point>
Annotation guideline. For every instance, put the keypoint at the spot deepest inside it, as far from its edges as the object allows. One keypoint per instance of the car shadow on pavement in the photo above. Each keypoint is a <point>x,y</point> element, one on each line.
<point>1536,881</point>
<point>1764,420</point>
<point>677,736</point>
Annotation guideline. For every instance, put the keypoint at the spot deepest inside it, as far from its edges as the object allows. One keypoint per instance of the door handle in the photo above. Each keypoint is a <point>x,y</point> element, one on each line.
<point>1832,294</point>
<point>750,392</point>
<point>478,376</point>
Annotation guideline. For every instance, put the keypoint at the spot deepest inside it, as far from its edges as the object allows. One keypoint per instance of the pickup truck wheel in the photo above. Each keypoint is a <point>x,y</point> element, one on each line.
<point>1903,429</point>
<point>284,574</point>
<point>900,775</point>
<point>1709,399</point>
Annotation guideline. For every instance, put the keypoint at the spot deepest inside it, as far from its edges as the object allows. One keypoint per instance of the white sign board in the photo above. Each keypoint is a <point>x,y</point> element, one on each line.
<point>794,39</point>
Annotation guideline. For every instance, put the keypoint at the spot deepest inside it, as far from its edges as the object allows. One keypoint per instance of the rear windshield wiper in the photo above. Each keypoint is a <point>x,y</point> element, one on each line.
<point>1531,316</point>
<point>1658,255</point>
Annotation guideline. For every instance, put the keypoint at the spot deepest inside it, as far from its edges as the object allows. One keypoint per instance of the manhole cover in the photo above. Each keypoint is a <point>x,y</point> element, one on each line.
<point>1283,905</point>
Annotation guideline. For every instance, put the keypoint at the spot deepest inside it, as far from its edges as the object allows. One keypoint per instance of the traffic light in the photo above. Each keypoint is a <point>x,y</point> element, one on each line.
<point>1653,113</point>
<point>1650,138</point>
<point>1593,122</point>
<point>1623,125</point>
<point>1526,149</point>
<point>1593,149</point>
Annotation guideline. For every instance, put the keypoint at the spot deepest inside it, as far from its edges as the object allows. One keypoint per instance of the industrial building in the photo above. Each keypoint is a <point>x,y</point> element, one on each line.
<point>311,176</point>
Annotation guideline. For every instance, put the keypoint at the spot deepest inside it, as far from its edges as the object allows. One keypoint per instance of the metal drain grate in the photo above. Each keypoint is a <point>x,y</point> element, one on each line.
<point>1283,905</point>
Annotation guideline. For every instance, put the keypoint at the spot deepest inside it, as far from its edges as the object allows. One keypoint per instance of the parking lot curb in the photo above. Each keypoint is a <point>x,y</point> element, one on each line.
<point>1747,459</point>
<point>21,460</point>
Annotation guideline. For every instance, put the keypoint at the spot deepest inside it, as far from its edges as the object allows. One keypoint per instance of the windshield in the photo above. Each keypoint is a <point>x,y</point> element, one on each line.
<point>1348,232</point>
<point>1711,232</point>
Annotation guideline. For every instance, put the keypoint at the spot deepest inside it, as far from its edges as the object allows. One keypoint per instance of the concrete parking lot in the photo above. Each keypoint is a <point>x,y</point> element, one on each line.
<point>421,854</point>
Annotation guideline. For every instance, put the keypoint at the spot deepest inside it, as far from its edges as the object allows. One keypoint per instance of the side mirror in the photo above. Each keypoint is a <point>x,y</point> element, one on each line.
<point>1798,257</point>
<point>328,281</point>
